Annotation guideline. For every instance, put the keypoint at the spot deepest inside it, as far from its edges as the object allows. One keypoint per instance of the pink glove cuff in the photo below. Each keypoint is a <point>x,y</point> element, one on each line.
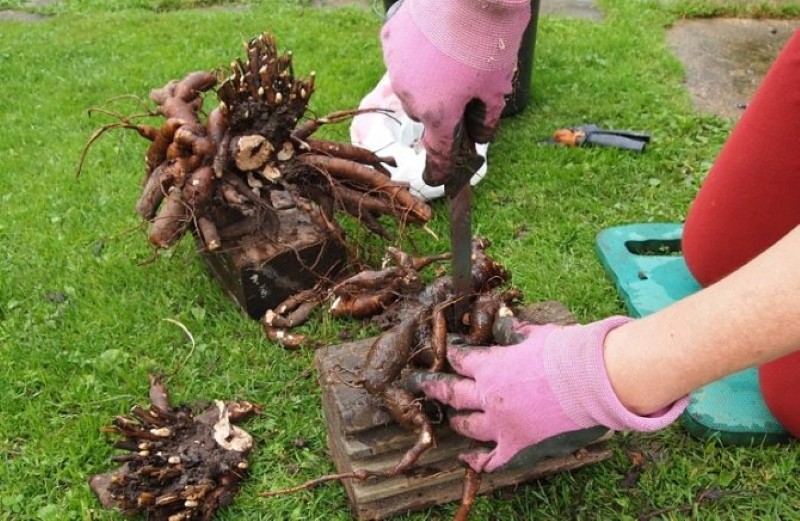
<point>484,34</point>
<point>587,397</point>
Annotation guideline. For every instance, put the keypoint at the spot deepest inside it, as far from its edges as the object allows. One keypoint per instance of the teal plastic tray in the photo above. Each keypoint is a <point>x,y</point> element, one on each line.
<point>647,267</point>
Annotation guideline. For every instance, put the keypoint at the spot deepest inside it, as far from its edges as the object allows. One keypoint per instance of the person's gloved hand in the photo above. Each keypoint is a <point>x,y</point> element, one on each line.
<point>543,396</point>
<point>445,55</point>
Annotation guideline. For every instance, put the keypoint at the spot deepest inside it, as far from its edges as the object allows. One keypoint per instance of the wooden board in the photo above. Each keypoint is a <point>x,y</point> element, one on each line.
<point>361,435</point>
<point>259,272</point>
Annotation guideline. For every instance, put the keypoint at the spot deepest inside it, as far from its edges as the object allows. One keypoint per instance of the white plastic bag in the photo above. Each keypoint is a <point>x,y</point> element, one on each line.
<point>395,134</point>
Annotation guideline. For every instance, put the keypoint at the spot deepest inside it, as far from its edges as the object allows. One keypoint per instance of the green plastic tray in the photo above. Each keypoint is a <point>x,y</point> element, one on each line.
<point>647,267</point>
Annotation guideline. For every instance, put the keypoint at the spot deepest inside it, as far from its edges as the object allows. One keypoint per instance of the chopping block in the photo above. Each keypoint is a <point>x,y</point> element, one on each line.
<point>362,435</point>
<point>260,270</point>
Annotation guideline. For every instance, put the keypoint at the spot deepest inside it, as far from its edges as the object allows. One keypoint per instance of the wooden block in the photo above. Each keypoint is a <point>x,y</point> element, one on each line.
<point>362,435</point>
<point>260,272</point>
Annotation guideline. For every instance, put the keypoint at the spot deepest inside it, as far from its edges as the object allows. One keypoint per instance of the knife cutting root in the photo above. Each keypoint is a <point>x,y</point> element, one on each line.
<point>416,337</point>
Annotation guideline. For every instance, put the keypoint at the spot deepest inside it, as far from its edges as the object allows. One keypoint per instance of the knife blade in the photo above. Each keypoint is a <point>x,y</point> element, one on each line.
<point>466,162</point>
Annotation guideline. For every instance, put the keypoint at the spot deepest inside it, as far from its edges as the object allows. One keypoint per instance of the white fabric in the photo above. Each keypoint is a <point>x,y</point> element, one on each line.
<point>395,134</point>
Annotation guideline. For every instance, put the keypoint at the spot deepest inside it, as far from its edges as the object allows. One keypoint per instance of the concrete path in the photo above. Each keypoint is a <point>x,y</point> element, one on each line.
<point>22,16</point>
<point>584,9</point>
<point>726,59</point>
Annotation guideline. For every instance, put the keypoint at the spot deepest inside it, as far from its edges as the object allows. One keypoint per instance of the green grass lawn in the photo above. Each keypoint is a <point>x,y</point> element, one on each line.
<point>82,310</point>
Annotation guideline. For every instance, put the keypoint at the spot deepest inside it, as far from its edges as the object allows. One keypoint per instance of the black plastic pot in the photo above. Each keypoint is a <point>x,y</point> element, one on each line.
<point>518,99</point>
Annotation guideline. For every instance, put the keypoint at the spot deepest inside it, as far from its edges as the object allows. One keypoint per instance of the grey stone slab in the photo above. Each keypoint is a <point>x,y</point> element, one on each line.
<point>377,4</point>
<point>12,15</point>
<point>726,59</point>
<point>583,9</point>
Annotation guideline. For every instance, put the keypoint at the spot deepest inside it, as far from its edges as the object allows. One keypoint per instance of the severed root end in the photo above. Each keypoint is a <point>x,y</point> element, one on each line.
<point>283,337</point>
<point>425,441</point>
<point>469,491</point>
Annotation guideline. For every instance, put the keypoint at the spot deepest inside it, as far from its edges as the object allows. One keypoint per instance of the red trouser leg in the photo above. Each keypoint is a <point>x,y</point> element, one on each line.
<point>750,199</point>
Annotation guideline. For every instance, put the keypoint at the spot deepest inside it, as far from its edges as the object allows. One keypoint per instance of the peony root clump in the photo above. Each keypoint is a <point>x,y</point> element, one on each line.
<point>179,465</point>
<point>248,178</point>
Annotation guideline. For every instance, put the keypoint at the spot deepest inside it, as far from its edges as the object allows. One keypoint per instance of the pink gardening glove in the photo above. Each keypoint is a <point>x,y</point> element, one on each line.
<point>445,55</point>
<point>541,397</point>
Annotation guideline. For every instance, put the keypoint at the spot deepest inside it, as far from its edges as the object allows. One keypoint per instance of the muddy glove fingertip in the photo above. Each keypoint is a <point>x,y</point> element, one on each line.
<point>480,460</point>
<point>418,381</point>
